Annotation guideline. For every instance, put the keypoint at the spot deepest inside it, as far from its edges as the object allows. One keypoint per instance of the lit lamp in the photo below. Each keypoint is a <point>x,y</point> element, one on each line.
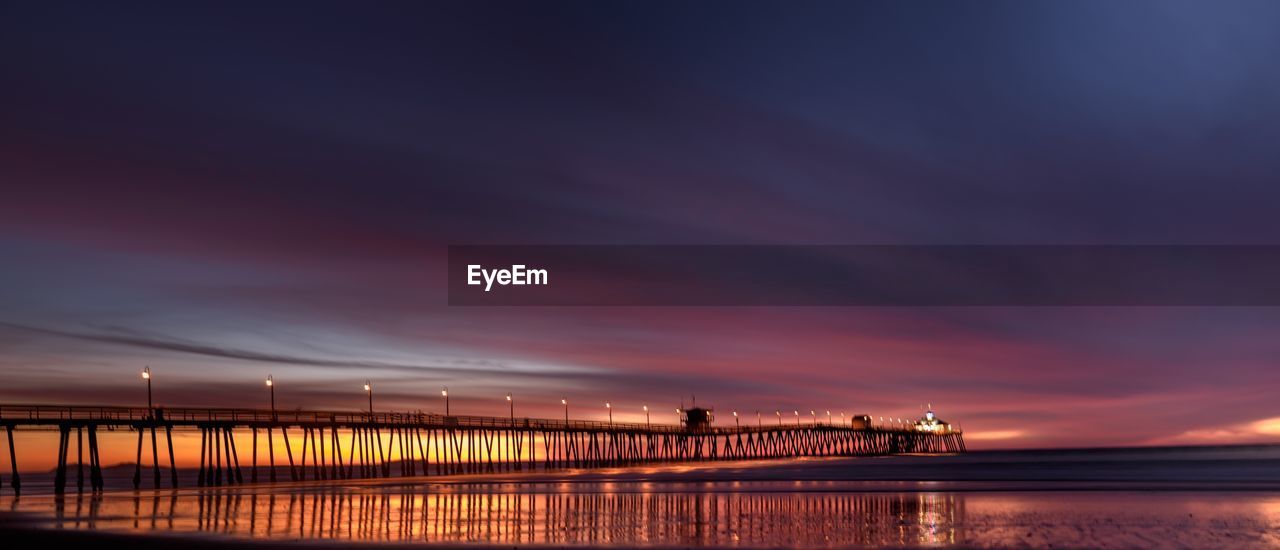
<point>565,402</point>
<point>444,392</point>
<point>736,424</point>
<point>368,388</point>
<point>609,406</point>
<point>271,386</point>
<point>512,406</point>
<point>146,375</point>
<point>646,416</point>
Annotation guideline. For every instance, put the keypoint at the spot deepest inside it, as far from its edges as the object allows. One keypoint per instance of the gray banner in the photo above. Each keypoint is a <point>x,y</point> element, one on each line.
<point>859,275</point>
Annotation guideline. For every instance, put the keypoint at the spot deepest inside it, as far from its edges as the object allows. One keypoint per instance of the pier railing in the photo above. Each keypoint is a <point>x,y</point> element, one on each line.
<point>35,415</point>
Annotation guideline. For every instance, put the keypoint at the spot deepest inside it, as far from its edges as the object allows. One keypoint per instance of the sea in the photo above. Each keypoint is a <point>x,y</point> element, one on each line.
<point>1169,497</point>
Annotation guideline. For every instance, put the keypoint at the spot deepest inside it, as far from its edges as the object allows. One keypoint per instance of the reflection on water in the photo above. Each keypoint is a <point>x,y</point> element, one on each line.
<point>795,514</point>
<point>679,518</point>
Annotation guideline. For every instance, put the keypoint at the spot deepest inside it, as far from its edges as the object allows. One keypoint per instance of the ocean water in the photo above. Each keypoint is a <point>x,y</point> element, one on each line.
<point>1199,497</point>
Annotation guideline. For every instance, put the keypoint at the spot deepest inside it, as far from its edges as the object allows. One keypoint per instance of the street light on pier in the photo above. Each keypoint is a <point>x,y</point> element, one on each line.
<point>759,423</point>
<point>609,406</point>
<point>779,415</point>
<point>828,418</point>
<point>565,402</point>
<point>736,423</point>
<point>512,406</point>
<point>271,385</point>
<point>815,417</point>
<point>444,392</point>
<point>646,417</point>
<point>797,413</point>
<point>678,412</point>
<point>368,388</point>
<point>146,375</point>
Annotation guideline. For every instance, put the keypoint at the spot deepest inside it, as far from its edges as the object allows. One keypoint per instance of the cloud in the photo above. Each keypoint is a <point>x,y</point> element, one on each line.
<point>993,435</point>
<point>1265,430</point>
<point>155,342</point>
<point>479,373</point>
<point>1269,426</point>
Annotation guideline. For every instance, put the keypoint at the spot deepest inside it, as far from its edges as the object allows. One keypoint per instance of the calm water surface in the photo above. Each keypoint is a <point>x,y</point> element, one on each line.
<point>661,508</point>
<point>667,515</point>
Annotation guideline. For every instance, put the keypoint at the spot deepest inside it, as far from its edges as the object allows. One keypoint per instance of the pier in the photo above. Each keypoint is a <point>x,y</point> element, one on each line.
<point>339,445</point>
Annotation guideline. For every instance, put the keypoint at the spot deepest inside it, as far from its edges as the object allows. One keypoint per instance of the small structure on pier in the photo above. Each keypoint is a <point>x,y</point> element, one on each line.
<point>860,422</point>
<point>931,423</point>
<point>697,419</point>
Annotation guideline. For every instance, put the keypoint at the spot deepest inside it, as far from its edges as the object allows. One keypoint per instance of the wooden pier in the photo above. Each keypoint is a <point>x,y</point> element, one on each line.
<point>328,445</point>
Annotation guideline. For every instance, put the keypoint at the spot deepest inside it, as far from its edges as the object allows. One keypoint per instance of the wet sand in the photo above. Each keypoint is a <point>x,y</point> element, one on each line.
<point>1198,498</point>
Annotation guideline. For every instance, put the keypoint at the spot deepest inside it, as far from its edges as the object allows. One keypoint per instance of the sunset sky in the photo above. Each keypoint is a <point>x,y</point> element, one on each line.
<point>228,191</point>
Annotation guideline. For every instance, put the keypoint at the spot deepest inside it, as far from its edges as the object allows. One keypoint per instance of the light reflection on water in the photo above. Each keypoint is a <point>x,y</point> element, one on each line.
<point>665,518</point>
<point>664,514</point>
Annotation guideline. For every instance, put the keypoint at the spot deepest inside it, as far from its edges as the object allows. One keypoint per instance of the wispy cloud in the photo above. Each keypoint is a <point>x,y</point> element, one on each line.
<point>135,339</point>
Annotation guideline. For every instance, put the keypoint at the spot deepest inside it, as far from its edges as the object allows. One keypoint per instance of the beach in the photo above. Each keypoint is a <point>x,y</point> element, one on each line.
<point>1104,498</point>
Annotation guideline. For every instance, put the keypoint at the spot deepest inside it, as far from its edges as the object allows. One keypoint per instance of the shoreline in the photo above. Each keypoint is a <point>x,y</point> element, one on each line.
<point>1234,468</point>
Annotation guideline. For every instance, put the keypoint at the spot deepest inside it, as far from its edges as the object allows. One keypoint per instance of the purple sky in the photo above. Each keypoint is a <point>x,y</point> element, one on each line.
<point>222,193</point>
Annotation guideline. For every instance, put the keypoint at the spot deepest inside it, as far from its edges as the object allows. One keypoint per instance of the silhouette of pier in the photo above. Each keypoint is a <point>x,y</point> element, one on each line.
<point>339,445</point>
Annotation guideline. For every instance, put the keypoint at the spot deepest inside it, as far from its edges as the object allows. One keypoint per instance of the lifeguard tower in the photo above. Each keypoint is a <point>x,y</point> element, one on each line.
<point>697,419</point>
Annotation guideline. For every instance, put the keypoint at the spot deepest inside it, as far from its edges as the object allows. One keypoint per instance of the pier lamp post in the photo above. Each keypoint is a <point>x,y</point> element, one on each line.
<point>759,423</point>
<point>736,423</point>
<point>797,413</point>
<point>646,417</point>
<point>678,416</point>
<point>146,375</point>
<point>512,406</point>
<point>609,406</point>
<point>841,418</point>
<point>444,392</point>
<point>815,417</point>
<point>778,413</point>
<point>271,386</point>
<point>565,402</point>
<point>368,388</point>
<point>828,418</point>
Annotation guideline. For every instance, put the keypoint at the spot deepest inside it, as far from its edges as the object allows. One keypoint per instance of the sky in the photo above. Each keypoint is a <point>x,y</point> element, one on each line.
<point>222,191</point>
